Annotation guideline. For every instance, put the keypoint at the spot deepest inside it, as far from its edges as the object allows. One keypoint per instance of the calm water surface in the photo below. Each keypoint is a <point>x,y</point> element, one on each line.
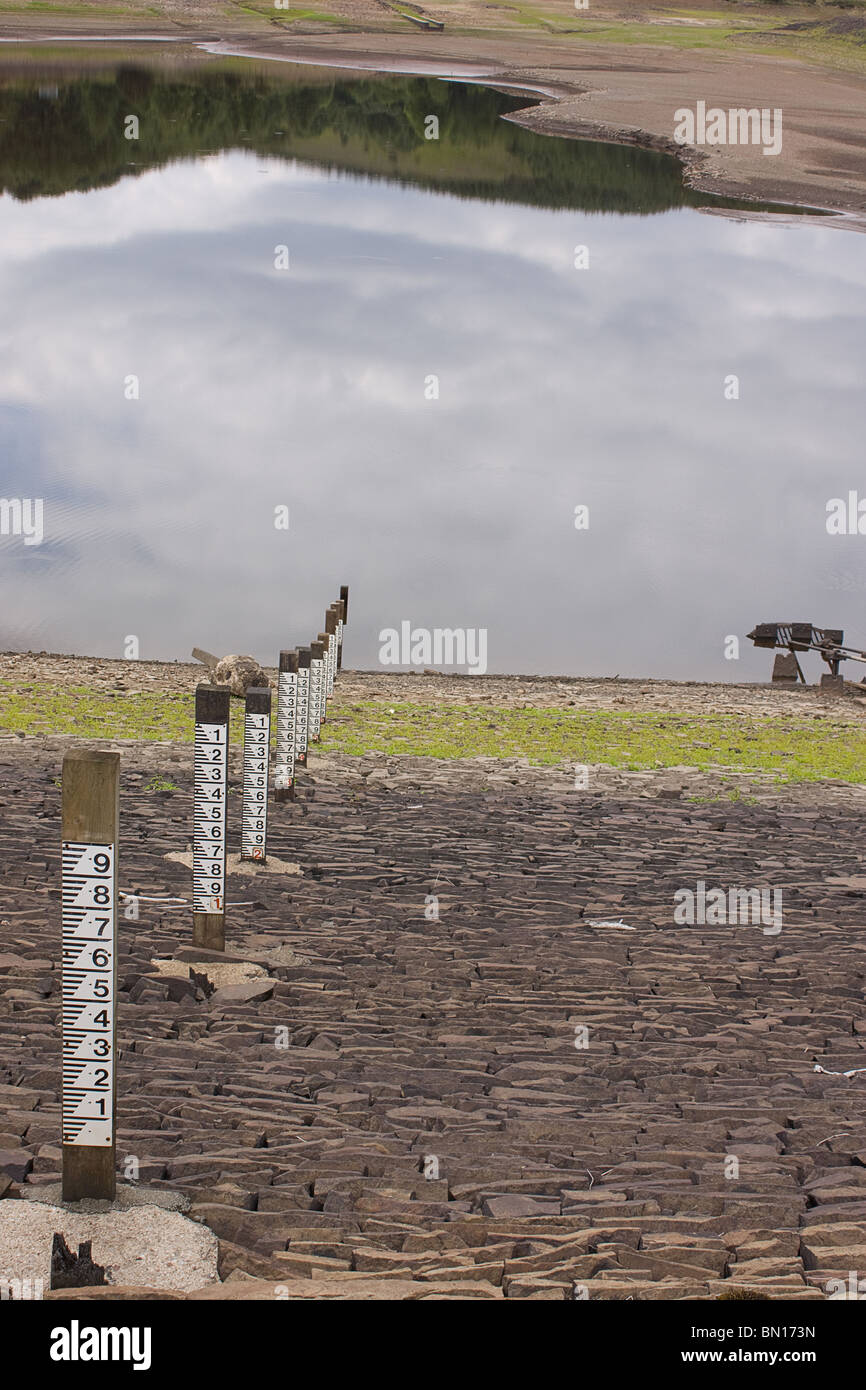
<point>408,258</point>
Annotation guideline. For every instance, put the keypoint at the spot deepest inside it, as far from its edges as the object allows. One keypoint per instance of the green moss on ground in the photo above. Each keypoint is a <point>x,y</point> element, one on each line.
<point>788,748</point>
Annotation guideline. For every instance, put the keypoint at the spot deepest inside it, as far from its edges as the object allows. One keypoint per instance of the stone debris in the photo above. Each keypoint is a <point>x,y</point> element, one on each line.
<point>238,673</point>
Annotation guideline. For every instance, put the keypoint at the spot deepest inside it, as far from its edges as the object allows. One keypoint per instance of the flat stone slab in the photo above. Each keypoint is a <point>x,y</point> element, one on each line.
<point>244,992</point>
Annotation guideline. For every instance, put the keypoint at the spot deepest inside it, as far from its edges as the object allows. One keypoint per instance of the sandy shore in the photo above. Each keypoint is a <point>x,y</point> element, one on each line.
<point>623,91</point>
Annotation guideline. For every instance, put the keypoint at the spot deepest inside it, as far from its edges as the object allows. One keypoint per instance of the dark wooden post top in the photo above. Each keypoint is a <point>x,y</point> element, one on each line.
<point>211,704</point>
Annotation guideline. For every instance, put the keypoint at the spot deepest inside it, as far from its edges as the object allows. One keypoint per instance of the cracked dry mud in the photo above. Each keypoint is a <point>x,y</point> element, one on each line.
<point>449,1046</point>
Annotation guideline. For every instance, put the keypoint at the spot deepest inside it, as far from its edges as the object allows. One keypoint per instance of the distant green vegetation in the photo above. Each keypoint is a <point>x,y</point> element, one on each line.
<point>57,137</point>
<point>789,749</point>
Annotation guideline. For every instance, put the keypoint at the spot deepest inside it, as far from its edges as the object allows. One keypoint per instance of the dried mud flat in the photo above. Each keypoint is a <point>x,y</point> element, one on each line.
<point>300,1107</point>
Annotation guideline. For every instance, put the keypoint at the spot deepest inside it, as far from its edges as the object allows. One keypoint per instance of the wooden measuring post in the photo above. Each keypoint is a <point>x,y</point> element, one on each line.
<point>209,817</point>
<point>302,727</point>
<point>331,630</point>
<point>257,751</point>
<point>341,623</point>
<point>287,705</point>
<point>325,643</point>
<point>317,663</point>
<point>344,618</point>
<point>89,928</point>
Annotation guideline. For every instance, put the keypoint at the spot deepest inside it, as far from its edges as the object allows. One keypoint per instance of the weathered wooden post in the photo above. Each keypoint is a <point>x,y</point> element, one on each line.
<point>302,726</point>
<point>89,932</point>
<point>317,662</point>
<point>287,704</point>
<point>344,619</point>
<point>209,817</point>
<point>257,750</point>
<point>331,630</point>
<point>325,643</point>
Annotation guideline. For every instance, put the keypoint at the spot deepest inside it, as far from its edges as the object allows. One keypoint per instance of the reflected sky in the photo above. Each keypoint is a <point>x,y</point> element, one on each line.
<point>306,387</point>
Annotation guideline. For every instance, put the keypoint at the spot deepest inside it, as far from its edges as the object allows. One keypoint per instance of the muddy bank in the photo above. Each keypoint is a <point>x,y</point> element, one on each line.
<point>630,95</point>
<point>610,91</point>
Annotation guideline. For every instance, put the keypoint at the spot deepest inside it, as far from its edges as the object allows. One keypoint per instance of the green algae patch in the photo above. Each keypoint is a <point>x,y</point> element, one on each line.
<point>793,750</point>
<point>789,749</point>
<point>40,707</point>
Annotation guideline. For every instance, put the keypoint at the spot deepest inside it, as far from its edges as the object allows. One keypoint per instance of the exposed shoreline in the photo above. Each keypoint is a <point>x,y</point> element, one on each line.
<point>611,92</point>
<point>552,691</point>
<point>452,1033</point>
<point>699,742</point>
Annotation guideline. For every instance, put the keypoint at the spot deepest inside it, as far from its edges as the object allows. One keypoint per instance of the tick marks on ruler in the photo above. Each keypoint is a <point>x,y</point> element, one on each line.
<point>257,739</point>
<point>88,930</point>
<point>287,704</point>
<point>209,821</point>
<point>209,816</point>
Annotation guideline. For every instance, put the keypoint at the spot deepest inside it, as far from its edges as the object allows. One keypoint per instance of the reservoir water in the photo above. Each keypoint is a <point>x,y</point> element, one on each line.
<point>286,338</point>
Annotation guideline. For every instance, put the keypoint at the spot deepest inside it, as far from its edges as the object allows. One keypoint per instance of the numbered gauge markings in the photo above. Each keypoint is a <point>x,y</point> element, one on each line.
<point>315,713</point>
<point>88,910</point>
<point>332,664</point>
<point>257,734</point>
<point>287,698</point>
<point>209,818</point>
<point>302,714</point>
